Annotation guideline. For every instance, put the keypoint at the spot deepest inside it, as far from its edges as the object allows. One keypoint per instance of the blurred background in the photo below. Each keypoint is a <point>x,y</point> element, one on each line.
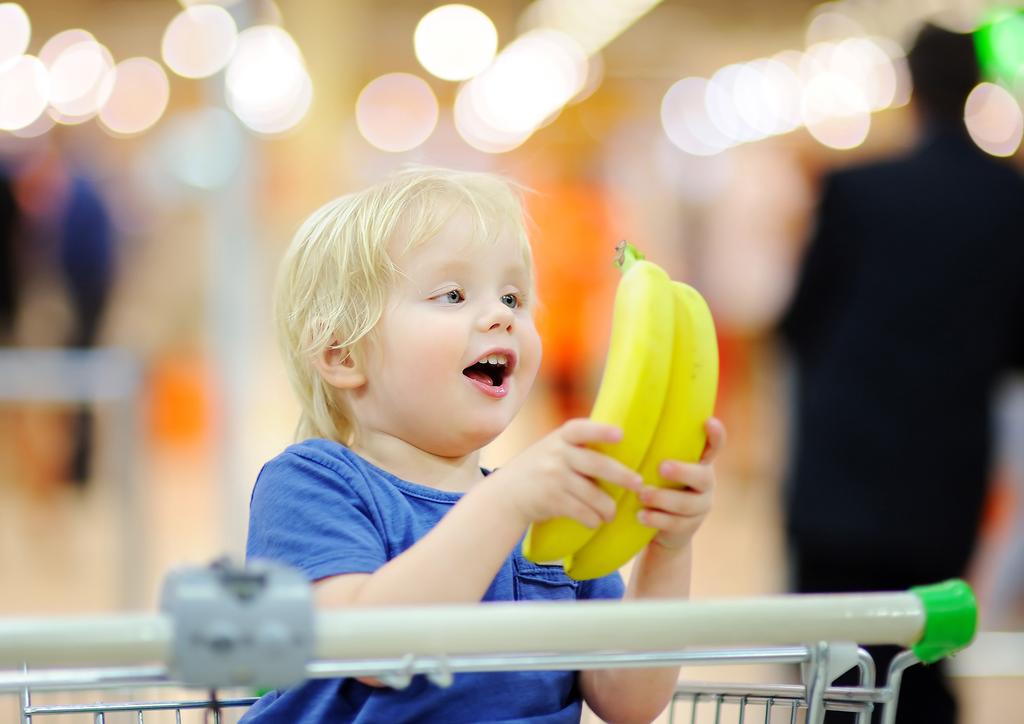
<point>156,157</point>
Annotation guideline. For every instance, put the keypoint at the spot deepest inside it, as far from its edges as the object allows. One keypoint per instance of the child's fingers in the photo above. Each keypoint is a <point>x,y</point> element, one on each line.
<point>593,464</point>
<point>716,439</point>
<point>675,502</point>
<point>581,431</point>
<point>696,476</point>
<point>593,497</point>
<point>590,511</point>
<point>665,522</point>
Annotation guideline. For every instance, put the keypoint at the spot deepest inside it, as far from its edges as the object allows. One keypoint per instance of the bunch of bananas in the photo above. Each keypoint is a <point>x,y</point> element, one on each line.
<point>659,386</point>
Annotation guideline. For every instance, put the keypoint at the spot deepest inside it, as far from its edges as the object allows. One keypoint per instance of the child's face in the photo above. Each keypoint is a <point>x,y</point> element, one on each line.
<point>455,303</point>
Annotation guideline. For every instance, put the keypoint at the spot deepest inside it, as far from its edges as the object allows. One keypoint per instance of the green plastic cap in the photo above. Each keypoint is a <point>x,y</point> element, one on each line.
<point>951,618</point>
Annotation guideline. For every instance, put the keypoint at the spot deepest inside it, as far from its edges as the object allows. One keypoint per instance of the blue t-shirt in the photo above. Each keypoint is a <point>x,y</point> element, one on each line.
<point>321,508</point>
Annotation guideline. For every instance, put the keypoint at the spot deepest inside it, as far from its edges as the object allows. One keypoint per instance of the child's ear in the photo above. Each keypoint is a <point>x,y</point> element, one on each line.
<point>339,368</point>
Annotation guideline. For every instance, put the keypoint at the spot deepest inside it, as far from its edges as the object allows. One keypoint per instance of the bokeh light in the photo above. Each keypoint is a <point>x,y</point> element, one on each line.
<point>15,32</point>
<point>994,119</point>
<point>841,132</point>
<point>24,92</point>
<point>592,24</point>
<point>835,111</point>
<point>869,67</point>
<point>60,42</point>
<point>43,123</point>
<point>750,101</point>
<point>202,149</point>
<point>476,131</point>
<point>595,76</point>
<point>81,81</point>
<point>779,96</point>
<point>720,98</point>
<point>532,78</point>
<point>815,60</point>
<point>831,88</point>
<point>901,70</point>
<point>961,16</point>
<point>138,99</point>
<point>1000,44</point>
<point>396,112</point>
<point>830,22</point>
<point>199,41</point>
<point>685,119</point>
<point>455,42</point>
<point>267,85</point>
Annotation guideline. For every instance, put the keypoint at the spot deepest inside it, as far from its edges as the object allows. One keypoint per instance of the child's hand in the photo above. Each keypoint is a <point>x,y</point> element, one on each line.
<point>555,477</point>
<point>677,512</point>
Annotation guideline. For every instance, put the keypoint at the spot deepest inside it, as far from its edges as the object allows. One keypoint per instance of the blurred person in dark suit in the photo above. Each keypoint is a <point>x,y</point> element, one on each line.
<point>87,262</point>
<point>8,275</point>
<point>908,309</point>
<point>68,233</point>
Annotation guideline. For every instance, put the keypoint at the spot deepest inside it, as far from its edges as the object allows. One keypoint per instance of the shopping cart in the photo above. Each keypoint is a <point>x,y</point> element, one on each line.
<point>222,628</point>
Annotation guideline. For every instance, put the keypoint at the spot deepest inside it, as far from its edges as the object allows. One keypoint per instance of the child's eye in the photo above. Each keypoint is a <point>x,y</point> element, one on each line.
<point>452,296</point>
<point>512,301</point>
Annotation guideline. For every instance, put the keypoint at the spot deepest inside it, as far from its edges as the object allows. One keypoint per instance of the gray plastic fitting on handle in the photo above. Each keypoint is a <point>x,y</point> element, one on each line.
<point>239,626</point>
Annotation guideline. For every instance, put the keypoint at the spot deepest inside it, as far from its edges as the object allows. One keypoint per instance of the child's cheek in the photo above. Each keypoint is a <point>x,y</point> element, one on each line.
<point>533,352</point>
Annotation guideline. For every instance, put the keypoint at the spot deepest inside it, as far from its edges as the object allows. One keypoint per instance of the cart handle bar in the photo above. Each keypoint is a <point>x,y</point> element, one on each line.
<point>934,620</point>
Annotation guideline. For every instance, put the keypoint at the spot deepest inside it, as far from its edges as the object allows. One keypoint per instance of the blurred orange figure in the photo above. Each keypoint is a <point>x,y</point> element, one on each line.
<point>576,280</point>
<point>179,407</point>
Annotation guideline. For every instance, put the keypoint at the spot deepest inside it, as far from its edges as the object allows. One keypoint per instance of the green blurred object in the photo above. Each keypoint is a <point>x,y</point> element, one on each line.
<point>951,619</point>
<point>999,40</point>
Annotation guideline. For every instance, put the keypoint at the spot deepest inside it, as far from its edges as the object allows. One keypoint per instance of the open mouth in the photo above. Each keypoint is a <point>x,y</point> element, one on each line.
<point>492,369</point>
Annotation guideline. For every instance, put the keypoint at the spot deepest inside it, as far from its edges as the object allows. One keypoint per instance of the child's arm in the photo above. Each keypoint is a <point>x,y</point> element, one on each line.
<point>459,558</point>
<point>662,570</point>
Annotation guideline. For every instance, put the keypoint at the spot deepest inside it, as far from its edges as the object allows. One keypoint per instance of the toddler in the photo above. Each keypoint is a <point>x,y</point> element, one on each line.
<point>405,316</point>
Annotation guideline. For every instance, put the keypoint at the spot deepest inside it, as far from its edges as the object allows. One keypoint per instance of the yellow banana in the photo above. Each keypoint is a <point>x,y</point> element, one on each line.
<point>680,435</point>
<point>632,391</point>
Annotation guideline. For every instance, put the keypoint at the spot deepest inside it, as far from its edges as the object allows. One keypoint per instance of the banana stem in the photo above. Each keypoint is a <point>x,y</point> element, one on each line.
<point>626,255</point>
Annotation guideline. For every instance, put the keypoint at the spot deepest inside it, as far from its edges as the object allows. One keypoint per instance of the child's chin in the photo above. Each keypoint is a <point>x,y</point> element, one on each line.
<point>477,436</point>
<point>484,435</point>
<point>493,424</point>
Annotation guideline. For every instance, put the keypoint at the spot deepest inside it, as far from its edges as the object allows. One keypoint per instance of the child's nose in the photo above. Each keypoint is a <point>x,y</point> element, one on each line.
<point>497,317</point>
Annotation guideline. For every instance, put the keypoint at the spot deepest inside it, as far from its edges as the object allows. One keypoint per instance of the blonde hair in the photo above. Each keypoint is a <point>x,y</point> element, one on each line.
<point>334,280</point>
